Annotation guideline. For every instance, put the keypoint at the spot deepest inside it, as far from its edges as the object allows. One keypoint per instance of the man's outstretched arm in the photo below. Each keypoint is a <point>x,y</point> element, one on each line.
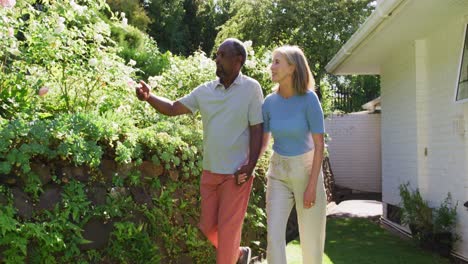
<point>161,104</point>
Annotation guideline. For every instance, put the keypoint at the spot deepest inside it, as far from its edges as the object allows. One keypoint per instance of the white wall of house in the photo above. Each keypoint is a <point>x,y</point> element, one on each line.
<point>355,150</point>
<point>424,133</point>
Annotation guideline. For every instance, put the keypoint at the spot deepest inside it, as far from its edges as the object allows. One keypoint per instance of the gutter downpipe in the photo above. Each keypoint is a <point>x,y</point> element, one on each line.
<point>383,10</point>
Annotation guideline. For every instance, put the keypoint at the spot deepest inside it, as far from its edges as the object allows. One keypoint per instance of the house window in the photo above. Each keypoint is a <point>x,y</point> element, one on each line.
<point>462,83</point>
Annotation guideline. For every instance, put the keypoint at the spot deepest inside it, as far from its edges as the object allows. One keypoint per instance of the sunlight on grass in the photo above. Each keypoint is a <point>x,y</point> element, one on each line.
<point>293,253</point>
<point>361,241</point>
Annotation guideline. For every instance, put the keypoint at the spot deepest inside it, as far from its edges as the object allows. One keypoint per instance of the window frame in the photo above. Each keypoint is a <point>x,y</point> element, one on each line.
<point>460,64</point>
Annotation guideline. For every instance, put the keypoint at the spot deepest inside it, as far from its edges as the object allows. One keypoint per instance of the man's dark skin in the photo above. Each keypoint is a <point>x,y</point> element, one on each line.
<point>228,66</point>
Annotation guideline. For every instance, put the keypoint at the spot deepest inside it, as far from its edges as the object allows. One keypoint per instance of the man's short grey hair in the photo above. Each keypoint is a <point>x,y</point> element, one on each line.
<point>239,48</point>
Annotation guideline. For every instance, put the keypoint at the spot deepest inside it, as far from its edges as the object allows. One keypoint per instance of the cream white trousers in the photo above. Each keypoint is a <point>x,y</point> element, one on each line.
<point>287,180</point>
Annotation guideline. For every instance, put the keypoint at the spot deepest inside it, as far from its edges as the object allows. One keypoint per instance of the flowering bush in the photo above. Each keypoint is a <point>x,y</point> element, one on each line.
<point>67,102</point>
<point>64,48</point>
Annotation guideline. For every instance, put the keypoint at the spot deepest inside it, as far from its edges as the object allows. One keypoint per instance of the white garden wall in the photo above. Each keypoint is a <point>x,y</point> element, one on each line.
<point>354,150</point>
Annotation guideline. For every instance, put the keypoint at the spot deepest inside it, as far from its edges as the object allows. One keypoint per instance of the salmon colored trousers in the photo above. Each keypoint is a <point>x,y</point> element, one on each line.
<point>223,208</point>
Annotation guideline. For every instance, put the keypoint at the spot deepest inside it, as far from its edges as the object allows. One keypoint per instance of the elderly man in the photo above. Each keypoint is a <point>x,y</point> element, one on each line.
<point>231,111</point>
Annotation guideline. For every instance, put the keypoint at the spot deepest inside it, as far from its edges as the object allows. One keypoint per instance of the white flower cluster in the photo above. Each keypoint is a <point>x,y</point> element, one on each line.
<point>60,25</point>
<point>101,29</point>
<point>132,62</point>
<point>132,83</point>
<point>93,62</point>
<point>78,8</point>
<point>153,81</point>
<point>98,38</point>
<point>204,61</point>
<point>124,19</point>
<point>250,63</point>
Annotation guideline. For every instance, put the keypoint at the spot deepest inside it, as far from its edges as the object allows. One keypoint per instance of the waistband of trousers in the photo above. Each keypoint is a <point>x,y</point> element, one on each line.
<point>306,156</point>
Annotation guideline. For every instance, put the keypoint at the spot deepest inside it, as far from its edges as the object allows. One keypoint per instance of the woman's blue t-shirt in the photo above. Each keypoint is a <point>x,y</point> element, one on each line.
<point>292,122</point>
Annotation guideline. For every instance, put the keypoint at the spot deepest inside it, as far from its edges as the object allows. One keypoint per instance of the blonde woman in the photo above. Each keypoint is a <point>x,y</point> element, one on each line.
<point>293,115</point>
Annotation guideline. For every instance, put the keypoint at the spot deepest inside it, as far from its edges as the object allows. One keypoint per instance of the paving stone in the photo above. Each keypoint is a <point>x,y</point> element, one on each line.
<point>108,169</point>
<point>97,195</point>
<point>51,196</point>
<point>23,203</point>
<point>97,232</point>
<point>140,196</point>
<point>43,171</point>
<point>356,208</point>
<point>81,173</point>
<point>150,170</point>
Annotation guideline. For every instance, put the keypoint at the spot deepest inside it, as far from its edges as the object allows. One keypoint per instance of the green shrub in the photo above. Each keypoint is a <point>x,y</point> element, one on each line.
<point>135,242</point>
<point>67,102</point>
<point>432,228</point>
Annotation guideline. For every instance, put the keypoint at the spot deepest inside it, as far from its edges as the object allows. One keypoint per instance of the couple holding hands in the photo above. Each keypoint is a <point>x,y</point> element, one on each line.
<point>237,125</point>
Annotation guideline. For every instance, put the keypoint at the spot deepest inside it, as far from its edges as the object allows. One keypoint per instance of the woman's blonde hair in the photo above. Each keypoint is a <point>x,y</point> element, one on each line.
<point>302,77</point>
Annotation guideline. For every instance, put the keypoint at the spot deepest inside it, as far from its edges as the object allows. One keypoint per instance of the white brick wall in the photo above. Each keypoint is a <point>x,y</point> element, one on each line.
<point>398,123</point>
<point>355,150</point>
<point>418,113</point>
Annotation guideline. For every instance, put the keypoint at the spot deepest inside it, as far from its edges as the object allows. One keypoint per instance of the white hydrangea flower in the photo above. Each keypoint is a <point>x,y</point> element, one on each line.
<point>98,38</point>
<point>132,63</point>
<point>248,44</point>
<point>124,21</point>
<point>154,81</point>
<point>102,28</point>
<point>250,63</point>
<point>131,83</point>
<point>61,20</point>
<point>78,8</point>
<point>60,28</point>
<point>15,51</point>
<point>123,109</point>
<point>55,44</point>
<point>267,58</point>
<point>93,62</point>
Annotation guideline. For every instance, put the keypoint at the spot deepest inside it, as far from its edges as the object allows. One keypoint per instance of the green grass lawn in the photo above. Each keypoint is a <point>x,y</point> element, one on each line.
<point>355,240</point>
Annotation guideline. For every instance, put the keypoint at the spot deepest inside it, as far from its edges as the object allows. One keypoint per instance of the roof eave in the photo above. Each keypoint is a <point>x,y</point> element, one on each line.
<point>372,23</point>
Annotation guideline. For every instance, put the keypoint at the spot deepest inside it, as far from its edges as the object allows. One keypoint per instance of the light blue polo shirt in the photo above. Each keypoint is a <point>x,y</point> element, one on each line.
<point>292,122</point>
<point>226,116</point>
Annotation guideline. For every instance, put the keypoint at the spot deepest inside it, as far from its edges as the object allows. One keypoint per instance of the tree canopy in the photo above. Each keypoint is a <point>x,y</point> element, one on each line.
<point>319,27</point>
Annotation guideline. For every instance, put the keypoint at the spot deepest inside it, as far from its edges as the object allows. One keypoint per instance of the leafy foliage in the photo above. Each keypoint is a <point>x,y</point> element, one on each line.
<point>132,239</point>
<point>186,26</point>
<point>134,12</point>
<point>63,50</point>
<point>432,228</point>
<point>319,27</point>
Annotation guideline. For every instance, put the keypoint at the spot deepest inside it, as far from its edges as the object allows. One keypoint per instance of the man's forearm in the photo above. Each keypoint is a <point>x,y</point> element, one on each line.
<point>256,136</point>
<point>166,106</point>
<point>161,104</point>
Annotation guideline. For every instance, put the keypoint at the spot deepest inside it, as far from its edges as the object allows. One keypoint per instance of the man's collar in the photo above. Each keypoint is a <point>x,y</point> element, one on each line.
<point>238,80</point>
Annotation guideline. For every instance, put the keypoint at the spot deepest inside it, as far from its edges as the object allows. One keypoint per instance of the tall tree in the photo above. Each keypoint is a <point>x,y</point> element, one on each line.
<point>184,26</point>
<point>319,27</point>
<point>134,12</point>
<point>167,27</point>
